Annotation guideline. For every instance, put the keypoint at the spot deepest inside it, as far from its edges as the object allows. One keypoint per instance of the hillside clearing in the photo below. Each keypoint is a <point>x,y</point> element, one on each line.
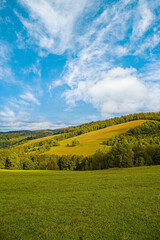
<point>90,142</point>
<point>37,140</point>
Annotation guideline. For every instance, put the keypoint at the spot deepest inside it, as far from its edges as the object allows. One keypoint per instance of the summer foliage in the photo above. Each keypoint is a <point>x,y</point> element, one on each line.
<point>127,146</point>
<point>17,138</point>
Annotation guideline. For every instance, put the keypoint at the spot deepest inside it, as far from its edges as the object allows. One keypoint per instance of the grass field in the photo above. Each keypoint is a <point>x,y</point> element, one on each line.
<point>90,142</point>
<point>108,204</point>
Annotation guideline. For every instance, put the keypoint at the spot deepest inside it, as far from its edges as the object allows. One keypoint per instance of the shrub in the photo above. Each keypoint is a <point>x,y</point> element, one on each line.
<point>52,165</point>
<point>43,165</point>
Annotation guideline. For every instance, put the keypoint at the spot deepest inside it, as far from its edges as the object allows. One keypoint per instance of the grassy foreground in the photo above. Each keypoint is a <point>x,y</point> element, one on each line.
<point>107,204</point>
<point>90,142</point>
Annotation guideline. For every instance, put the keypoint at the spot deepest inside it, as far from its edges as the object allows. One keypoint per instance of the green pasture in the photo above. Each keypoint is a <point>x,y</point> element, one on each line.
<point>107,204</point>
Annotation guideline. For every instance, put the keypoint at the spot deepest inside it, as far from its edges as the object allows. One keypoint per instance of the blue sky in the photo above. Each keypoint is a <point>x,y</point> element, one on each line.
<point>66,62</point>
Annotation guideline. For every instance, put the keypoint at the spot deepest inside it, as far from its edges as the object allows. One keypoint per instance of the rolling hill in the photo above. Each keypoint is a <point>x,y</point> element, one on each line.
<point>131,140</point>
<point>90,142</point>
<point>17,138</point>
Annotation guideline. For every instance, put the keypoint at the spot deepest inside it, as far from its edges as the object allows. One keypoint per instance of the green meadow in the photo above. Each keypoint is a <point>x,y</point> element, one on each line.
<point>106,204</point>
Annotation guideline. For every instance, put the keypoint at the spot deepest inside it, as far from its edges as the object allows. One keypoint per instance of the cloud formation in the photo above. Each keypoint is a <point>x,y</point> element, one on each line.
<point>29,97</point>
<point>51,23</point>
<point>17,115</point>
<point>109,56</point>
<point>118,90</point>
<point>6,73</point>
<point>13,121</point>
<point>94,75</point>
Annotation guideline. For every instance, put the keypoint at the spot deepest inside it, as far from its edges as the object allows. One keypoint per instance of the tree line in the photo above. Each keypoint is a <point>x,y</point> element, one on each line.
<point>120,155</point>
<point>146,134</point>
<point>138,147</point>
<point>11,139</point>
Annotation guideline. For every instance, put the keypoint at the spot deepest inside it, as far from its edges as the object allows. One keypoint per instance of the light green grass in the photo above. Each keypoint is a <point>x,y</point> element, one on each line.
<point>109,204</point>
<point>90,142</point>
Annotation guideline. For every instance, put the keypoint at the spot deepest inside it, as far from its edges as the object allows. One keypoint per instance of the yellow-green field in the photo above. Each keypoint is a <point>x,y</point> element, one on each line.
<point>37,140</point>
<point>90,142</point>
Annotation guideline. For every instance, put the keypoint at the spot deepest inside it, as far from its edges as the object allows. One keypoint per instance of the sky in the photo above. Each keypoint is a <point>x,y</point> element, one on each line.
<point>67,62</point>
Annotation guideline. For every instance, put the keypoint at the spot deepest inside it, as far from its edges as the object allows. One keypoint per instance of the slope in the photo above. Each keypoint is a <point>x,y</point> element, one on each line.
<point>19,138</point>
<point>90,142</point>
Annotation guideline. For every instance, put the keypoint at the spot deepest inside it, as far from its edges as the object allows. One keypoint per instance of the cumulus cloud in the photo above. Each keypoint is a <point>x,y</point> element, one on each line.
<point>93,76</point>
<point>118,91</point>
<point>96,72</point>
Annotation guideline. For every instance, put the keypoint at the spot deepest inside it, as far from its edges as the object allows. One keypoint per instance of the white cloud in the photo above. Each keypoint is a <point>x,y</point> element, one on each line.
<point>151,71</point>
<point>17,115</point>
<point>51,23</point>
<point>143,19</point>
<point>120,51</point>
<point>96,73</point>
<point>34,68</point>
<point>118,91</point>
<point>54,25</point>
<point>94,77</point>
<point>21,120</point>
<point>150,43</point>
<point>6,73</point>
<point>98,48</point>
<point>29,97</point>
<point>7,112</point>
<point>43,125</point>
<point>152,103</point>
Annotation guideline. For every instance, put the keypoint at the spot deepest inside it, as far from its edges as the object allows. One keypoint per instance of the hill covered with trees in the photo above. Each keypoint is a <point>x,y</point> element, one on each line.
<point>11,139</point>
<point>137,147</point>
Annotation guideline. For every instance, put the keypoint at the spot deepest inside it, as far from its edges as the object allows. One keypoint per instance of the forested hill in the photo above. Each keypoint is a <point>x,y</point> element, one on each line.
<point>138,146</point>
<point>11,139</point>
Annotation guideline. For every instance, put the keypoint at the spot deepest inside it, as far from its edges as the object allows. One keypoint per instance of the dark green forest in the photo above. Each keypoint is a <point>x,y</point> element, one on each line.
<point>137,147</point>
